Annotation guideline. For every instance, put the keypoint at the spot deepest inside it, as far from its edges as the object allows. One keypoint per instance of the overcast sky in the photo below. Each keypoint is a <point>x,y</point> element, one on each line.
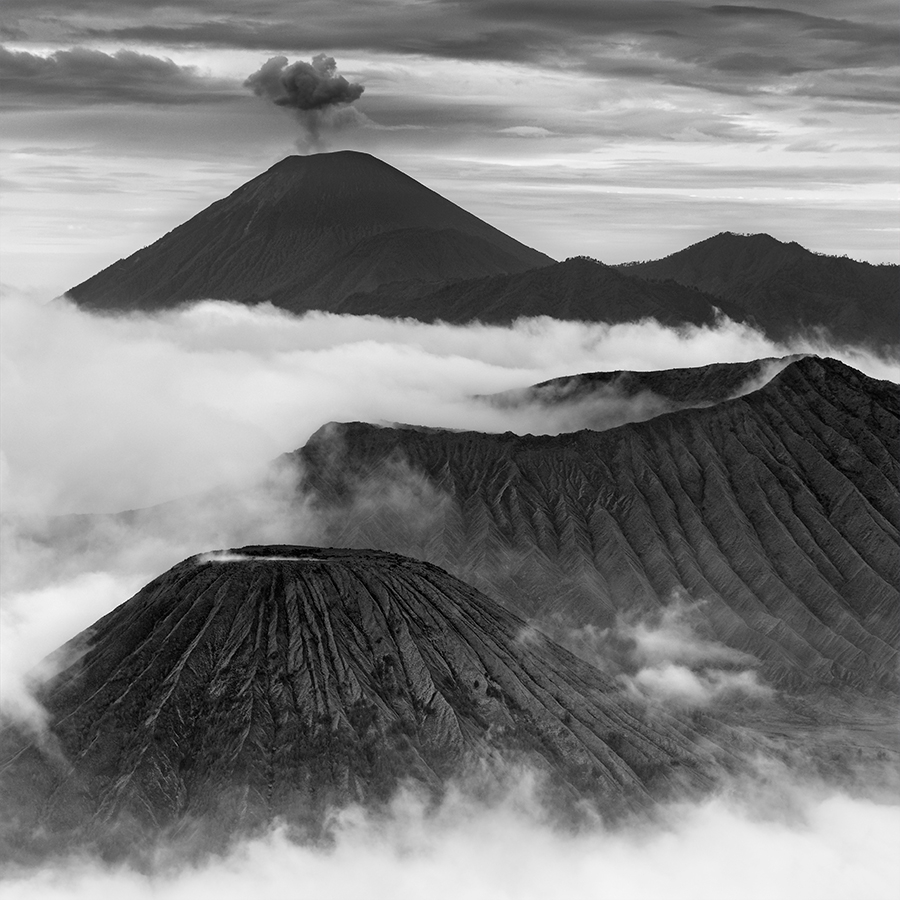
<point>622,129</point>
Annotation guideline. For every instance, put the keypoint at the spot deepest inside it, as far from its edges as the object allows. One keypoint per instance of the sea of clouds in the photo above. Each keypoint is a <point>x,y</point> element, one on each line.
<point>110,413</point>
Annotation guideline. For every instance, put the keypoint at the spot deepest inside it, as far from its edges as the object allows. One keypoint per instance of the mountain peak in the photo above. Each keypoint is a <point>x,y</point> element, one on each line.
<point>786,290</point>
<point>270,681</point>
<point>306,233</point>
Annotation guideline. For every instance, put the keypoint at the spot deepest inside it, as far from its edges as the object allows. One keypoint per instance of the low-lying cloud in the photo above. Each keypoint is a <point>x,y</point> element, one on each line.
<point>780,838</point>
<point>114,413</point>
<point>666,658</point>
<point>104,414</point>
<point>111,413</point>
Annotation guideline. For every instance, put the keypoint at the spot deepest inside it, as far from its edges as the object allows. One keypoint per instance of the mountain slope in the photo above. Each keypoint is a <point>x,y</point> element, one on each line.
<point>778,513</point>
<point>785,289</point>
<point>276,681</point>
<point>285,234</point>
<point>578,289</point>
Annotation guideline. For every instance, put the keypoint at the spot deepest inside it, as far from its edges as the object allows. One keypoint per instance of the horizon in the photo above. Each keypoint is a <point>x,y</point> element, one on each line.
<point>619,132</point>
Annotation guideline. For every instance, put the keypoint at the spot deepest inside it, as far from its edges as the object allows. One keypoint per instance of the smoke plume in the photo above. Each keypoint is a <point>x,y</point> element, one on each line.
<point>318,96</point>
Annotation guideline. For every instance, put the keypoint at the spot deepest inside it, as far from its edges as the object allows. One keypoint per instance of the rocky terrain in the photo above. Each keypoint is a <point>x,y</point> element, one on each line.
<point>777,513</point>
<point>276,681</point>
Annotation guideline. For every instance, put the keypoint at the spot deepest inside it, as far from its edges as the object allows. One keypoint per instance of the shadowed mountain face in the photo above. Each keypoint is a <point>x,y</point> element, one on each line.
<point>347,233</point>
<point>785,289</point>
<point>273,681</point>
<point>778,513</point>
<point>305,234</point>
<point>579,289</point>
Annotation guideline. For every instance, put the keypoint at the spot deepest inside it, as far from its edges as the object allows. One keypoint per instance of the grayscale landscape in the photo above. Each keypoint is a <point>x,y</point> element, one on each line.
<point>469,468</point>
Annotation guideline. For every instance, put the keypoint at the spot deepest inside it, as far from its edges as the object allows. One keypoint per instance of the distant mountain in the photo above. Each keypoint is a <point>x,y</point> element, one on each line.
<point>274,682</point>
<point>345,232</point>
<point>785,289</point>
<point>306,233</point>
<point>602,400</point>
<point>777,513</point>
<point>580,289</point>
<point>696,385</point>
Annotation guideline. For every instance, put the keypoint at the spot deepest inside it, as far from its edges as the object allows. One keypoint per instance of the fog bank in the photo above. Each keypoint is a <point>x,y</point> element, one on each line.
<point>783,840</point>
<point>108,413</point>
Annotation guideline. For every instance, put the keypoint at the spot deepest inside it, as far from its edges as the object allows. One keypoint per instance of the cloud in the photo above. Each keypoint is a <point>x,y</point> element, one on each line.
<point>680,686</point>
<point>536,131</point>
<point>82,76</point>
<point>672,637</point>
<point>35,621</point>
<point>719,48</point>
<point>782,837</point>
<point>109,413</point>
<point>665,657</point>
<point>112,412</point>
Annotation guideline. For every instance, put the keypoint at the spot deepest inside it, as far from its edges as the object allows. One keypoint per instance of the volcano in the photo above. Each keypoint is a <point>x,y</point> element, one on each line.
<point>776,513</point>
<point>305,234</point>
<point>345,232</point>
<point>275,681</point>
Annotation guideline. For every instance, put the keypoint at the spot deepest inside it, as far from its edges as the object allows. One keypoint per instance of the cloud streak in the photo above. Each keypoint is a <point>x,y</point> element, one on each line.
<point>717,48</point>
<point>82,76</point>
<point>109,413</point>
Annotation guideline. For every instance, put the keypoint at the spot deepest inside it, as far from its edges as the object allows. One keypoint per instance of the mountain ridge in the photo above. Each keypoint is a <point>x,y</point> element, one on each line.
<point>778,511</point>
<point>783,288</point>
<point>577,289</point>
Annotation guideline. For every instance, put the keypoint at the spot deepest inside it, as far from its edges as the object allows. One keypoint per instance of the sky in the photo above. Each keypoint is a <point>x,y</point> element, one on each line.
<point>620,129</point>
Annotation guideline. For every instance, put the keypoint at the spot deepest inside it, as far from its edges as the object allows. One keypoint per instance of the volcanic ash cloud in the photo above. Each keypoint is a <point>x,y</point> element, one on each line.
<point>318,96</point>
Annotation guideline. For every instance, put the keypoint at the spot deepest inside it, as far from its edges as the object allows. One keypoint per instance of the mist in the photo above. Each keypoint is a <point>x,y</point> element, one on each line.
<point>105,413</point>
<point>109,413</point>
<point>776,836</point>
<point>112,413</point>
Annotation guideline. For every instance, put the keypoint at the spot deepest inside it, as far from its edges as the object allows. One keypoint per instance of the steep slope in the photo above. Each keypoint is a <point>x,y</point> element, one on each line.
<point>787,290</point>
<point>577,289</point>
<point>777,512</point>
<point>274,681</point>
<point>286,236</point>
